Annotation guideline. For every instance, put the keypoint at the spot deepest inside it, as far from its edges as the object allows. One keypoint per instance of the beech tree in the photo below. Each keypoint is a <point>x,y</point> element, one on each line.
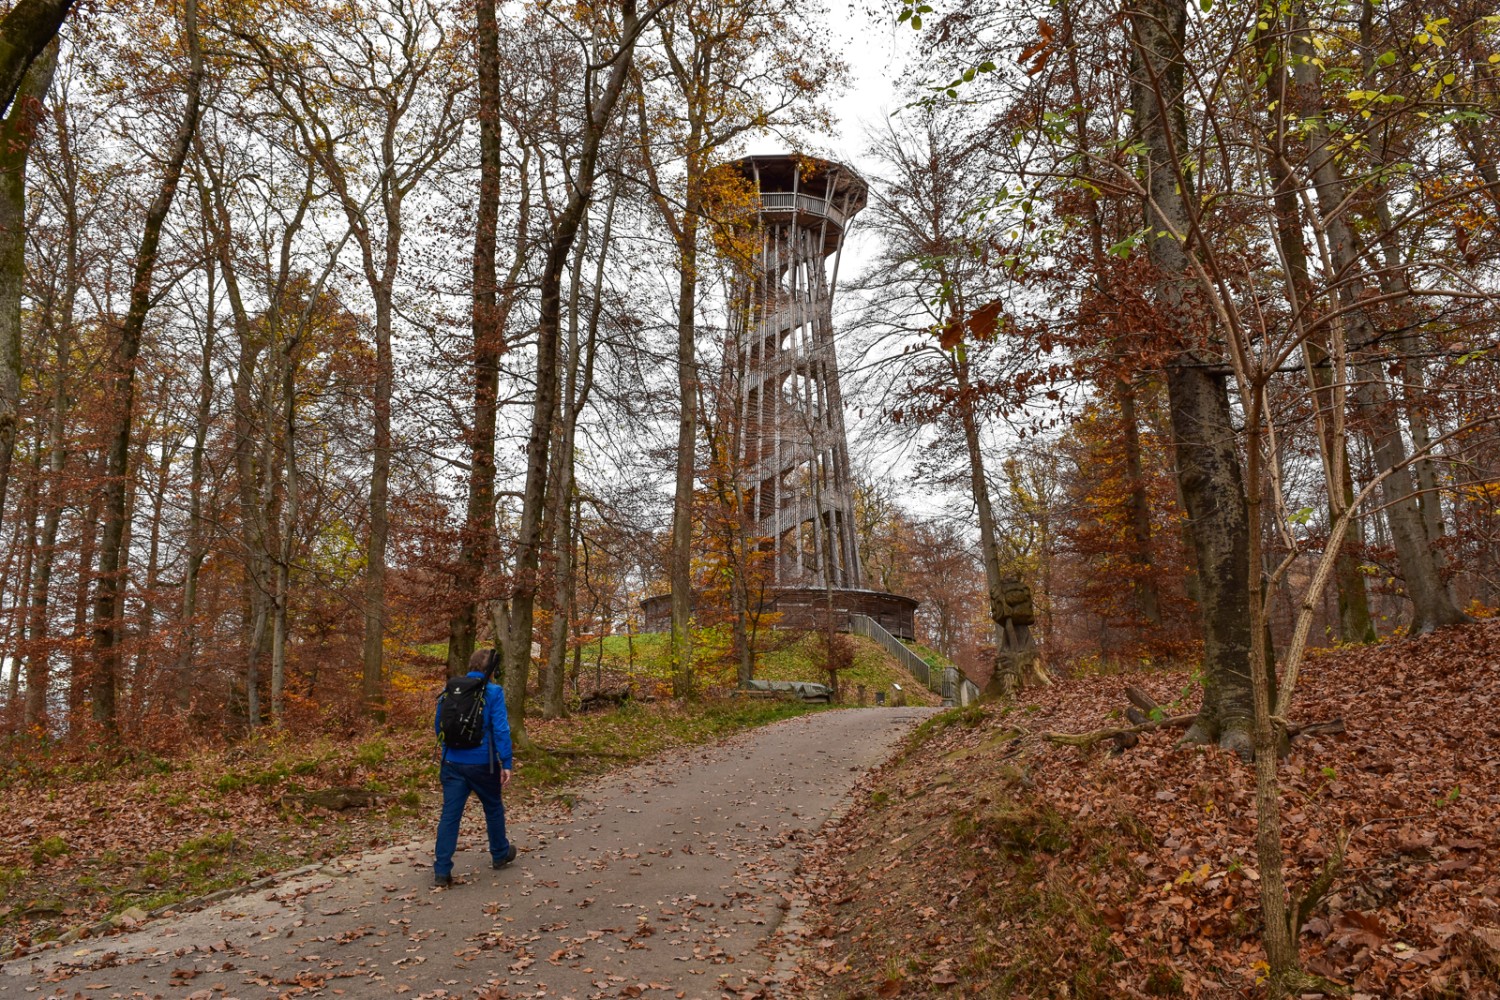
<point>405,89</point>
<point>113,554</point>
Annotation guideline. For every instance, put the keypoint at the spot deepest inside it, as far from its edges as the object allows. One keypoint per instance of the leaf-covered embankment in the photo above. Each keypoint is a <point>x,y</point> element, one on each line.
<point>986,861</point>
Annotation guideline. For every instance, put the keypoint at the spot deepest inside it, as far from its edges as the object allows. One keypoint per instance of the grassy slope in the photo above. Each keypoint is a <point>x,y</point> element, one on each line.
<point>783,657</point>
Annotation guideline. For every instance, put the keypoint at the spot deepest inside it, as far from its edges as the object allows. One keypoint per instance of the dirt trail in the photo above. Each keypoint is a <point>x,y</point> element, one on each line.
<point>660,881</point>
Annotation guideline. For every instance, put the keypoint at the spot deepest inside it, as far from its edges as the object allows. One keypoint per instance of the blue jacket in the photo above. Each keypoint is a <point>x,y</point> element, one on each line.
<point>496,730</point>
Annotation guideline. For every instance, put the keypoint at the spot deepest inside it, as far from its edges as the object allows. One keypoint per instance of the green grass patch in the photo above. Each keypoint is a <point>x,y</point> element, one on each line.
<point>372,753</point>
<point>47,848</point>
<point>969,716</point>
<point>781,656</point>
<point>570,748</point>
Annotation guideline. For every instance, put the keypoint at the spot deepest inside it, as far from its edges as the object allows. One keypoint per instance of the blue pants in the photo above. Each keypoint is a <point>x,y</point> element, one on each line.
<point>458,781</point>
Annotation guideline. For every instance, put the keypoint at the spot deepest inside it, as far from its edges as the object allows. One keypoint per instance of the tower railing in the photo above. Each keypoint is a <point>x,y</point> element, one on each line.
<point>786,201</point>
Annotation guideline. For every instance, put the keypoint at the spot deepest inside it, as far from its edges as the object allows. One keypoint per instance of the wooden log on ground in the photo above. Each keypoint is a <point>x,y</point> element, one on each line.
<point>595,700</point>
<point>1294,730</point>
<point>1089,739</point>
<point>1141,700</point>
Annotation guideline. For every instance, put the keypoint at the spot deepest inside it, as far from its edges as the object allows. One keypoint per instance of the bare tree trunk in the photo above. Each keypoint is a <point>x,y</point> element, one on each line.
<point>126,348</point>
<point>144,657</point>
<point>196,547</point>
<point>544,410</point>
<point>16,133</point>
<point>25,33</point>
<point>1208,468</point>
<point>39,664</point>
<point>1011,680</point>
<point>249,427</point>
<point>1140,507</point>
<point>567,509</point>
<point>380,473</point>
<point>79,665</point>
<point>1432,602</point>
<point>1355,623</point>
<point>19,618</point>
<point>489,332</point>
<point>1276,931</point>
<point>680,570</point>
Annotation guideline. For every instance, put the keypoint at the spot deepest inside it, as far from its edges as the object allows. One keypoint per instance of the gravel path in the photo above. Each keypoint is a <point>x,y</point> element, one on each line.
<point>660,881</point>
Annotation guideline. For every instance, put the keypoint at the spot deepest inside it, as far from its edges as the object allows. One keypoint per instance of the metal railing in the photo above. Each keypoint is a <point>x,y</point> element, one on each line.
<point>967,693</point>
<point>786,201</point>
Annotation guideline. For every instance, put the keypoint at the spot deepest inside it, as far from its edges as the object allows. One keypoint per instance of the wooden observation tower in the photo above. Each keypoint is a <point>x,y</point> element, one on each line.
<point>782,381</point>
<point>794,457</point>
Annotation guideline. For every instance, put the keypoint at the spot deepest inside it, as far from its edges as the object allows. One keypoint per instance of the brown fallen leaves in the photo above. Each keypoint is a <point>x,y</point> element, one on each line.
<point>982,864</point>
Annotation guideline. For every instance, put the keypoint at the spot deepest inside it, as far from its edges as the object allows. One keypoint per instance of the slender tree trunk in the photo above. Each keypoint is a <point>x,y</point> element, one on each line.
<point>79,666</point>
<point>1432,601</point>
<point>1010,680</point>
<point>145,658</point>
<point>16,132</point>
<point>1394,282</point>
<point>1355,622</point>
<point>125,350</point>
<point>1208,467</point>
<point>20,647</point>
<point>488,331</point>
<point>40,661</point>
<point>1281,947</point>
<point>196,548</point>
<point>380,474</point>
<point>680,571</point>
<point>544,410</point>
<point>1140,508</point>
<point>289,525</point>
<point>567,516</point>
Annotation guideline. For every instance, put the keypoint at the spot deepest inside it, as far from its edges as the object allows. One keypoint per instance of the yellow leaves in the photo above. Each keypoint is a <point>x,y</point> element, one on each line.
<point>1430,35</point>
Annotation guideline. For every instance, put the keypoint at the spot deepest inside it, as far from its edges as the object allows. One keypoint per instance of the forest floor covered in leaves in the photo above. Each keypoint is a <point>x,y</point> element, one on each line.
<point>986,861</point>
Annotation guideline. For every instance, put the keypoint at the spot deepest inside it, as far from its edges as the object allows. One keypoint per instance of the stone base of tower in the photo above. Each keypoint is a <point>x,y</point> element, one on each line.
<point>807,607</point>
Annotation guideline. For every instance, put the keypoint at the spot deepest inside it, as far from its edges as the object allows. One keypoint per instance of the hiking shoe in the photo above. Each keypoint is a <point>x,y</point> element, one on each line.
<point>510,855</point>
<point>442,881</point>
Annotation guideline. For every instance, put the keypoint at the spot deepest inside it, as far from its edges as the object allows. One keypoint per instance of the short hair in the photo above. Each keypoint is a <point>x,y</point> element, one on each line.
<point>481,659</point>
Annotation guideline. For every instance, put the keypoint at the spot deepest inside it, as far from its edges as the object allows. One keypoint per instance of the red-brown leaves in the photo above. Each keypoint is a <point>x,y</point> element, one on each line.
<point>1146,880</point>
<point>1038,52</point>
<point>980,324</point>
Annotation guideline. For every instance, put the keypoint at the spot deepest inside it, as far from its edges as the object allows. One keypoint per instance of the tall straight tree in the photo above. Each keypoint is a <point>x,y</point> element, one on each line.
<point>1208,464</point>
<point>374,101</point>
<point>17,130</point>
<point>493,301</point>
<point>1432,601</point>
<point>125,350</point>
<point>599,102</point>
<point>488,331</point>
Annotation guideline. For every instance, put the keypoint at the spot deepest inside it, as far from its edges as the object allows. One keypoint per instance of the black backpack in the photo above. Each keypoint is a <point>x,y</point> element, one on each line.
<point>461,709</point>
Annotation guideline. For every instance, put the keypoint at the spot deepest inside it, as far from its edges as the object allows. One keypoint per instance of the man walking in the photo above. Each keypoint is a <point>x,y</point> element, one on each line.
<point>476,759</point>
